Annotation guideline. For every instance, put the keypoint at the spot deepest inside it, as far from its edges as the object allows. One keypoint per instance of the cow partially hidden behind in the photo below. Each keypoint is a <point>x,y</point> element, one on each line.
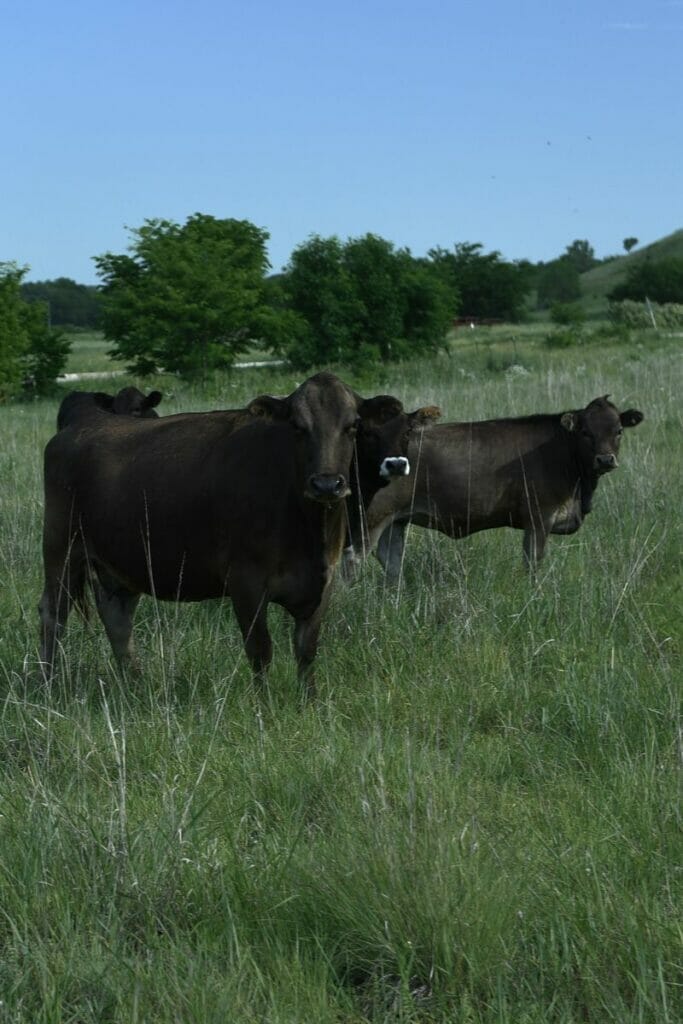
<point>188,507</point>
<point>79,406</point>
<point>535,473</point>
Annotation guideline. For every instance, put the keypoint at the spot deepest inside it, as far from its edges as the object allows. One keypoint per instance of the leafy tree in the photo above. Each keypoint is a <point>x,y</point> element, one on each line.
<point>361,302</point>
<point>70,304</point>
<point>487,285</point>
<point>658,280</point>
<point>32,354</point>
<point>48,349</point>
<point>13,334</point>
<point>557,281</point>
<point>320,292</point>
<point>630,243</point>
<point>581,254</point>
<point>189,297</point>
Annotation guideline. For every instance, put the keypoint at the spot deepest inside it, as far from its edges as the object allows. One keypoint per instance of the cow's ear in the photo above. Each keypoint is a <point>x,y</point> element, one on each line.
<point>152,399</point>
<point>269,407</point>
<point>380,409</point>
<point>569,420</point>
<point>631,418</point>
<point>423,417</point>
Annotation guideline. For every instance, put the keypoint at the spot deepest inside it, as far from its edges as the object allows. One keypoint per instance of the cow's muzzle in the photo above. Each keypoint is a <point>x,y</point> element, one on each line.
<point>327,487</point>
<point>604,463</point>
<point>394,465</point>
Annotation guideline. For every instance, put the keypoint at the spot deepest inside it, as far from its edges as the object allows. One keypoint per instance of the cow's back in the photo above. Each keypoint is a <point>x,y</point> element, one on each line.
<point>473,476</point>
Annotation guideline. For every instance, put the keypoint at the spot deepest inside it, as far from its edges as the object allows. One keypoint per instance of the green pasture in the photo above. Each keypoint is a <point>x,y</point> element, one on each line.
<point>477,821</point>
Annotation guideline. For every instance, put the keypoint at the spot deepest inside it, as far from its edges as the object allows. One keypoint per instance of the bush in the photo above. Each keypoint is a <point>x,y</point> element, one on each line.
<point>567,314</point>
<point>567,338</point>
<point>658,280</point>
<point>637,314</point>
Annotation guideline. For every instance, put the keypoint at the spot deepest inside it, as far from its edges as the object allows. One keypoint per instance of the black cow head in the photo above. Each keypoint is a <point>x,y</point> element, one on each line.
<point>325,416</point>
<point>598,429</point>
<point>131,402</point>
<point>382,442</point>
<point>79,406</point>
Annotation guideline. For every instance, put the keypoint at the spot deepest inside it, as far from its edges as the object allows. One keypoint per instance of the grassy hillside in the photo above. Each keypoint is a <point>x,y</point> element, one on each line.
<point>597,283</point>
<point>477,822</point>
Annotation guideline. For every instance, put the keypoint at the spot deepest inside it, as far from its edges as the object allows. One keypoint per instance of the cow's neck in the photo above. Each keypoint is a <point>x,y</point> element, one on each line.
<point>586,480</point>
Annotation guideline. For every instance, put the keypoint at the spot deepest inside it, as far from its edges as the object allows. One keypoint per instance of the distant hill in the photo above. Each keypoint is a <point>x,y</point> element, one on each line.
<point>597,283</point>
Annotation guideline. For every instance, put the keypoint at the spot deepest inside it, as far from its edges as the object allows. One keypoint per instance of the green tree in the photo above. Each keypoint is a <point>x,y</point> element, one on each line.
<point>487,285</point>
<point>557,281</point>
<point>188,298</point>
<point>581,254</point>
<point>630,243</point>
<point>657,280</point>
<point>32,354</point>
<point>362,302</point>
<point>320,292</point>
<point>70,304</point>
<point>47,352</point>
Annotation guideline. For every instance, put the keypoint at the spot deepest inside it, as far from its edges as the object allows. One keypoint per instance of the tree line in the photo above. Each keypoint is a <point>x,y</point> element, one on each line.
<point>189,298</point>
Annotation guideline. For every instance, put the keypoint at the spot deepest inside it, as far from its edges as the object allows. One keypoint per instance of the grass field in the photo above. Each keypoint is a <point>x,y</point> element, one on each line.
<point>477,821</point>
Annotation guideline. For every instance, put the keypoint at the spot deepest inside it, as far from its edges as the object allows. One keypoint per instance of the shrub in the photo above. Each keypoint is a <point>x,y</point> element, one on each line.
<point>637,314</point>
<point>567,314</point>
<point>566,338</point>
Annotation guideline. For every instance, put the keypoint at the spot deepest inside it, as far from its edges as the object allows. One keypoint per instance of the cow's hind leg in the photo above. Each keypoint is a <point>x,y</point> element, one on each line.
<point>65,579</point>
<point>116,607</point>
<point>389,550</point>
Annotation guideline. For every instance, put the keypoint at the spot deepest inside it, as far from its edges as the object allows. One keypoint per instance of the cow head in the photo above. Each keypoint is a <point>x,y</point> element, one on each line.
<point>325,416</point>
<point>78,407</point>
<point>598,429</point>
<point>131,402</point>
<point>382,442</point>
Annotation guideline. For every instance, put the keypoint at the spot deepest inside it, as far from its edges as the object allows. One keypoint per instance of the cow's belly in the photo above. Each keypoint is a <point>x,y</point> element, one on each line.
<point>177,576</point>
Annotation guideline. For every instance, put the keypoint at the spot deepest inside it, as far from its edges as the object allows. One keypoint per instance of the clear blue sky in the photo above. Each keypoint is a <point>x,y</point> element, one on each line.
<point>519,125</point>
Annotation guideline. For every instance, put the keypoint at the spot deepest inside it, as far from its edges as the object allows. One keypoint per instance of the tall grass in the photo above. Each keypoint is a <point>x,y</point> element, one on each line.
<point>477,821</point>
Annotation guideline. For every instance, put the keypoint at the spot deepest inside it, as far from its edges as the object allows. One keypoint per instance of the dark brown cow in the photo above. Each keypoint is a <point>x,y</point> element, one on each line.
<point>78,406</point>
<point>187,508</point>
<point>536,474</point>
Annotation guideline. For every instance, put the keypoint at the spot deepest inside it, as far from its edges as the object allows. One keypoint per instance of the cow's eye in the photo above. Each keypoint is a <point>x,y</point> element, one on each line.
<point>620,431</point>
<point>587,434</point>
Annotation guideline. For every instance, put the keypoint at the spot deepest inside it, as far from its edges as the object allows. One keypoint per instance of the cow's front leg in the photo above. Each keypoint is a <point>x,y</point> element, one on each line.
<point>306,632</point>
<point>251,605</point>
